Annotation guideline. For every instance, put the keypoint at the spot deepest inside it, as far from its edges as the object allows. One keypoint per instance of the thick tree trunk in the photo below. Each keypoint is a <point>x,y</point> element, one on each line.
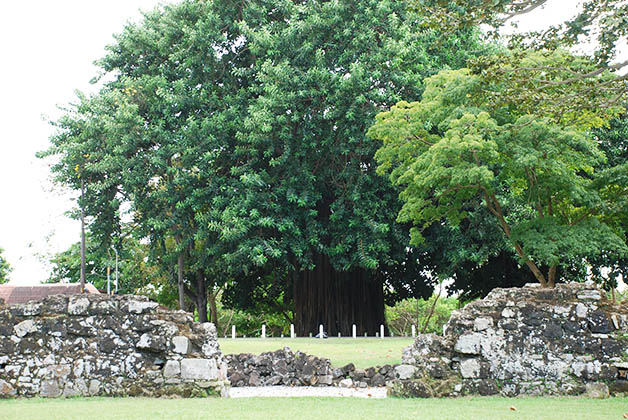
<point>337,300</point>
<point>201,296</point>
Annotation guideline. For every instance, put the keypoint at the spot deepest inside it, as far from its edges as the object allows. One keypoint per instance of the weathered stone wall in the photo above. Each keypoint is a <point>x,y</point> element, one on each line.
<point>564,341</point>
<point>283,367</point>
<point>101,345</point>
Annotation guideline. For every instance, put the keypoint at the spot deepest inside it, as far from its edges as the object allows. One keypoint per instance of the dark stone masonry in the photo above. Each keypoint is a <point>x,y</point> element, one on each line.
<point>521,341</point>
<point>565,341</point>
<point>100,345</point>
<point>283,367</point>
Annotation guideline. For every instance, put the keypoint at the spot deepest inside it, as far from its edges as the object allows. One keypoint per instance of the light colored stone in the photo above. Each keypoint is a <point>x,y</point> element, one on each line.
<point>6,390</point>
<point>589,295</point>
<point>49,389</point>
<point>508,313</point>
<point>562,310</point>
<point>346,383</point>
<point>181,344</point>
<point>25,327</point>
<point>482,323</point>
<point>405,371</point>
<point>78,305</point>
<point>94,387</point>
<point>206,369</point>
<point>470,368</point>
<point>581,310</point>
<point>136,307</point>
<point>325,379</point>
<point>172,368</point>
<point>597,390</point>
<point>469,343</point>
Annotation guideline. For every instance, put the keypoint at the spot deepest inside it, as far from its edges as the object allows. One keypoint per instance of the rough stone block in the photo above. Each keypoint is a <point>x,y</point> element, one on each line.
<point>6,390</point>
<point>346,383</point>
<point>25,327</point>
<point>206,369</point>
<point>172,369</point>
<point>49,389</point>
<point>470,368</point>
<point>78,305</point>
<point>405,371</point>
<point>137,307</point>
<point>590,295</point>
<point>469,344</point>
<point>597,390</point>
<point>151,343</point>
<point>94,387</point>
<point>482,323</point>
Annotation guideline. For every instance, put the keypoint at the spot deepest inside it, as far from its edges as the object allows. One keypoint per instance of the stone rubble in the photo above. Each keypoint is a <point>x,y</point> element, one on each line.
<point>564,341</point>
<point>283,367</point>
<point>100,345</point>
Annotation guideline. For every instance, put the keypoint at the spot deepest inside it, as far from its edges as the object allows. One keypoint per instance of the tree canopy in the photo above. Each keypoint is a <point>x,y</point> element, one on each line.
<point>5,268</point>
<point>233,134</point>
<point>534,173</point>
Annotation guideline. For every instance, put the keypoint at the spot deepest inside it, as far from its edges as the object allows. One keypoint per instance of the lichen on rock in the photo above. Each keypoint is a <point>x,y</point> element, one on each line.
<point>526,340</point>
<point>90,345</point>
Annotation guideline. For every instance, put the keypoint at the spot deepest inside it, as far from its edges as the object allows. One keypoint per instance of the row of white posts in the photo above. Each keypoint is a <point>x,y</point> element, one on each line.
<point>320,331</point>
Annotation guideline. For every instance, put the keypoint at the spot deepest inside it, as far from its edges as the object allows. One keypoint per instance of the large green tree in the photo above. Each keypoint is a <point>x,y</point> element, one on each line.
<point>237,129</point>
<point>534,174</point>
<point>5,268</point>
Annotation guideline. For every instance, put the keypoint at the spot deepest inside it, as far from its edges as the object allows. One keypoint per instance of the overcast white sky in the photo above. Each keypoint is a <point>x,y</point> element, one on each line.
<point>48,47</point>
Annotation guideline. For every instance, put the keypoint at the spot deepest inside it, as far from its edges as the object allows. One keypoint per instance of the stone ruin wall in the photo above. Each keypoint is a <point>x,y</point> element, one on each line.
<point>531,341</point>
<point>91,345</point>
<point>283,367</point>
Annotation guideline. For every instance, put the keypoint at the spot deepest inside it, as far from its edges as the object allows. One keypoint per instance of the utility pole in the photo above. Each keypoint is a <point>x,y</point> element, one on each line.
<point>116,281</point>
<point>82,237</point>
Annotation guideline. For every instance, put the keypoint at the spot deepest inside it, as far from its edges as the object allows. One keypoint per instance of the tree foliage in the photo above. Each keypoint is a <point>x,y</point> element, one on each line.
<point>235,134</point>
<point>5,268</point>
<point>534,174</point>
<point>138,271</point>
<point>565,85</point>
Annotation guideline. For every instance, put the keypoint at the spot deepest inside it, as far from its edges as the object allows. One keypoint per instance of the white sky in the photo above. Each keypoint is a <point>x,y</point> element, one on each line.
<point>48,47</point>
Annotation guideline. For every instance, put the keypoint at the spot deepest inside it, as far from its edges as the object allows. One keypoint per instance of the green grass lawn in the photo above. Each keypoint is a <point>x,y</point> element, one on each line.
<point>363,352</point>
<point>314,408</point>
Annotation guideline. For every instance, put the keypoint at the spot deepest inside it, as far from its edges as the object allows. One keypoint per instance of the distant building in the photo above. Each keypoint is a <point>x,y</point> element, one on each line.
<point>12,294</point>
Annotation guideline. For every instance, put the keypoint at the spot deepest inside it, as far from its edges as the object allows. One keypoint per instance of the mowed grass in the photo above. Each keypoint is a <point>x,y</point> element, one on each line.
<point>363,352</point>
<point>315,408</point>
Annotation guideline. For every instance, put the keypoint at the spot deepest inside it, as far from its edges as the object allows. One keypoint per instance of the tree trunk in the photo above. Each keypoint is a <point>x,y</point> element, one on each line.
<point>180,284</point>
<point>212,308</point>
<point>551,277</point>
<point>201,296</point>
<point>337,300</point>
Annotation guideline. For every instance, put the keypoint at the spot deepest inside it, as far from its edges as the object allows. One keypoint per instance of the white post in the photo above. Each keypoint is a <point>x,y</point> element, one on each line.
<point>320,330</point>
<point>233,332</point>
<point>413,330</point>
<point>263,330</point>
<point>355,331</point>
<point>291,330</point>
<point>339,335</point>
<point>381,331</point>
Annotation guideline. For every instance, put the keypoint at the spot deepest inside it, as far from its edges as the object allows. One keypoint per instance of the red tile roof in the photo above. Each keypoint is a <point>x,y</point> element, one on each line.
<point>21,294</point>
